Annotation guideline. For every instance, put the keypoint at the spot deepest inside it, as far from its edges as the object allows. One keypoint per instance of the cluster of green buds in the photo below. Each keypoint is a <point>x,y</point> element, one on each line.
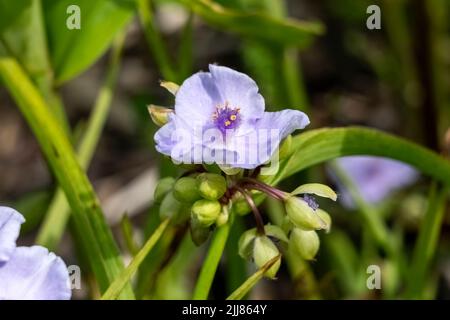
<point>298,232</point>
<point>195,198</point>
<point>206,200</point>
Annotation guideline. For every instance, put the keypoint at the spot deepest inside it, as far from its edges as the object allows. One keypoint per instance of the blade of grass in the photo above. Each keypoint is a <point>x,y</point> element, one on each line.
<point>256,25</point>
<point>97,240</point>
<point>127,233</point>
<point>119,284</point>
<point>240,292</point>
<point>58,213</point>
<point>211,263</point>
<point>427,241</point>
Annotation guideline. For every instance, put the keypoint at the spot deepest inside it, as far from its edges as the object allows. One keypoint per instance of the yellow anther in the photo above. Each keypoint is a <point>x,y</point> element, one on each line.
<point>227,123</point>
<point>233,117</point>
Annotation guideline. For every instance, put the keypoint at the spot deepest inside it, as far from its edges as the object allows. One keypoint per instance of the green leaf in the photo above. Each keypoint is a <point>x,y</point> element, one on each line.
<point>255,25</point>
<point>318,146</point>
<point>54,224</point>
<point>240,292</point>
<point>22,34</point>
<point>321,145</point>
<point>97,239</point>
<point>73,51</point>
<point>119,284</point>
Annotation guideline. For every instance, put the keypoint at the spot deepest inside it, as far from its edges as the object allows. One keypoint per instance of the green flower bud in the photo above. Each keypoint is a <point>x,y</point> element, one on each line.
<point>245,245</point>
<point>325,218</point>
<point>302,215</point>
<point>159,115</point>
<point>185,190</point>
<point>263,251</point>
<point>305,243</point>
<point>223,217</point>
<point>162,188</point>
<point>317,189</point>
<point>246,240</point>
<point>206,211</point>
<point>211,186</point>
<point>170,207</point>
<point>199,233</point>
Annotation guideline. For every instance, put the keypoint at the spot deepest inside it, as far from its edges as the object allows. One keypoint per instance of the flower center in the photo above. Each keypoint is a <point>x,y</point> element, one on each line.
<point>311,201</point>
<point>226,117</point>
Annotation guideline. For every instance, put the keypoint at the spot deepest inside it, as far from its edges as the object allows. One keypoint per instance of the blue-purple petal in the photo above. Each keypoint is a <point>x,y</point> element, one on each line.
<point>286,121</point>
<point>197,98</point>
<point>239,134</point>
<point>34,273</point>
<point>239,90</point>
<point>10,221</point>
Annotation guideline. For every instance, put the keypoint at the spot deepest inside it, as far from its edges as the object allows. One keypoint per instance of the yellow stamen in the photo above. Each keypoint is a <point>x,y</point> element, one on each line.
<point>227,123</point>
<point>233,117</point>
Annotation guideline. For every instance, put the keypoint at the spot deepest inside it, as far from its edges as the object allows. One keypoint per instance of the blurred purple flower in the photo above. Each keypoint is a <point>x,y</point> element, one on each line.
<point>28,273</point>
<point>375,177</point>
<point>219,118</point>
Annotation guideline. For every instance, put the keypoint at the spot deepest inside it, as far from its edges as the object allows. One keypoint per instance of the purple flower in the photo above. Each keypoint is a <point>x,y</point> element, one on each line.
<point>219,118</point>
<point>28,273</point>
<point>375,177</point>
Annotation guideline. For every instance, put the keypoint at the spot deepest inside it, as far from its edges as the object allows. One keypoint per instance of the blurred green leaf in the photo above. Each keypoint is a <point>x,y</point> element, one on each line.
<point>33,206</point>
<point>317,146</point>
<point>321,145</point>
<point>345,262</point>
<point>256,25</point>
<point>58,213</point>
<point>97,239</point>
<point>73,51</point>
<point>22,36</point>
<point>427,242</point>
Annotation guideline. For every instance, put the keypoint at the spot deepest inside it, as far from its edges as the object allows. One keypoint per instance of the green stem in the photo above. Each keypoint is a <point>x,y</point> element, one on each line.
<point>118,285</point>
<point>211,263</point>
<point>426,243</point>
<point>57,216</point>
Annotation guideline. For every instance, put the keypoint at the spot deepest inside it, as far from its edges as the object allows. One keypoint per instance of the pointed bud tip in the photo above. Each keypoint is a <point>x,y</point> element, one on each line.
<point>160,115</point>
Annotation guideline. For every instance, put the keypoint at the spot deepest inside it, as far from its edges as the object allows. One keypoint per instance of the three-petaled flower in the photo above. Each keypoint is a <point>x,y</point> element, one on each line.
<point>375,177</point>
<point>219,118</point>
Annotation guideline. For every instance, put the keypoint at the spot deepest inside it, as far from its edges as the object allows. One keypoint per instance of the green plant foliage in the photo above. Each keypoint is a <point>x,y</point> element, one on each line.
<point>72,51</point>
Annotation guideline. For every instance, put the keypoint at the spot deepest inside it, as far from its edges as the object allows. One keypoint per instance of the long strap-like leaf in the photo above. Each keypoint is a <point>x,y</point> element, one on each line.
<point>97,239</point>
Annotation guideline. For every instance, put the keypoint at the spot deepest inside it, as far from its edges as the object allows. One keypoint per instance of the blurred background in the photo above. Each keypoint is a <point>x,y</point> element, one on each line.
<point>339,72</point>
